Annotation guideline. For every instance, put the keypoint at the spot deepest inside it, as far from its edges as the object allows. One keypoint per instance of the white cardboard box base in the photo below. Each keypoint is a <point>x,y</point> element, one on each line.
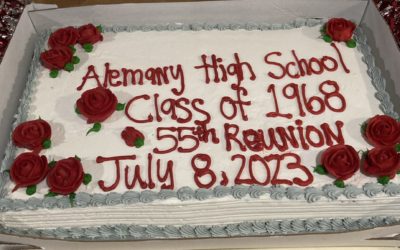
<point>362,238</point>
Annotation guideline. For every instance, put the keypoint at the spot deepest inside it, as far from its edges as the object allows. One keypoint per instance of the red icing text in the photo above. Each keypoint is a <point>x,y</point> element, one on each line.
<point>300,67</point>
<point>142,176</point>
<point>124,77</point>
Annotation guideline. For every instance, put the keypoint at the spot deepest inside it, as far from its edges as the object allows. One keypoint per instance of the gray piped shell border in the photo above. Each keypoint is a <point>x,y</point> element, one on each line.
<point>249,228</point>
<point>310,194</point>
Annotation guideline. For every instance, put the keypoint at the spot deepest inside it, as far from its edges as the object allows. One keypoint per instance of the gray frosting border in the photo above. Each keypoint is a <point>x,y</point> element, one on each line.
<point>310,194</point>
<point>247,228</point>
<point>375,73</point>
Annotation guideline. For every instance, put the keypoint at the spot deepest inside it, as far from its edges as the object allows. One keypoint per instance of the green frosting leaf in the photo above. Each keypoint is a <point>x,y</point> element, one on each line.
<point>96,128</point>
<point>46,144</point>
<point>339,183</point>
<point>72,198</point>
<point>75,60</point>
<point>351,43</point>
<point>320,169</point>
<point>7,171</point>
<point>77,157</point>
<point>139,142</point>
<point>363,127</point>
<point>31,190</point>
<point>364,154</point>
<point>77,111</point>
<point>327,38</point>
<point>120,106</point>
<point>72,48</point>
<point>52,164</point>
<point>88,47</point>
<point>53,73</point>
<point>323,29</point>
<point>383,180</point>
<point>87,178</point>
<point>50,194</point>
<point>69,67</point>
<point>397,147</point>
<point>100,28</point>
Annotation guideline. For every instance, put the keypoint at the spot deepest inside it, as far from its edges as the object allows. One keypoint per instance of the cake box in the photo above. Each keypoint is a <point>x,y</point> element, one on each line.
<point>15,66</point>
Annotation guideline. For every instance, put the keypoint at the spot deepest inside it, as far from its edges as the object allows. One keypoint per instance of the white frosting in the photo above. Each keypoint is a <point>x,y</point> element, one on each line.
<point>211,212</point>
<point>54,100</point>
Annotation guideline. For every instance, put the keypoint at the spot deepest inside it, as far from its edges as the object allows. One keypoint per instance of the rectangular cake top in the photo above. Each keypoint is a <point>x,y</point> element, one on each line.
<point>201,108</point>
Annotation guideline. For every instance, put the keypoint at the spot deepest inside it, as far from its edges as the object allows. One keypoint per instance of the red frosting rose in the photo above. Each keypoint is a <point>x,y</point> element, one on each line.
<point>341,161</point>
<point>28,169</point>
<point>89,34</point>
<point>340,29</point>
<point>383,130</point>
<point>66,176</point>
<point>56,58</point>
<point>31,134</point>
<point>97,104</point>
<point>63,37</point>
<point>381,162</point>
<point>130,135</point>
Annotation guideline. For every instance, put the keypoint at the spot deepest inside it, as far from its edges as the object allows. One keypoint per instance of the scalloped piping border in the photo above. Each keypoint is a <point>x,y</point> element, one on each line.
<point>250,228</point>
<point>311,194</point>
